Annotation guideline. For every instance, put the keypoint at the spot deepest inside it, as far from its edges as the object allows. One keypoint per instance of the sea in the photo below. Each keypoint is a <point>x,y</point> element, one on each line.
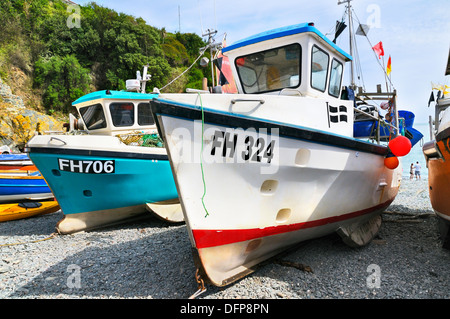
<point>416,154</point>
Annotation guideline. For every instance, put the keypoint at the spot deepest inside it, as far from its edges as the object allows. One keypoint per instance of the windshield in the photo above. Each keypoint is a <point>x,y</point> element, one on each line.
<point>93,116</point>
<point>270,70</point>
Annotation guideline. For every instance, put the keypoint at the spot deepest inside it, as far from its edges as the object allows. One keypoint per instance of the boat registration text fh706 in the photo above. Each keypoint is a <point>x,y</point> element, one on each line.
<point>87,166</point>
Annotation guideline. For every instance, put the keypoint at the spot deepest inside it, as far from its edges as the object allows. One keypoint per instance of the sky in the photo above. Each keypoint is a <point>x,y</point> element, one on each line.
<point>415,33</point>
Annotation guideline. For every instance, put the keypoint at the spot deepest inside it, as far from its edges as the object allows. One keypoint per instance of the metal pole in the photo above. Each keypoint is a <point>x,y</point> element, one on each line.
<point>210,34</point>
<point>350,30</point>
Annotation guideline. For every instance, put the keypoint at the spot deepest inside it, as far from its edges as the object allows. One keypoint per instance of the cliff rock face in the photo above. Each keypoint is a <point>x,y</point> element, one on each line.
<point>17,123</point>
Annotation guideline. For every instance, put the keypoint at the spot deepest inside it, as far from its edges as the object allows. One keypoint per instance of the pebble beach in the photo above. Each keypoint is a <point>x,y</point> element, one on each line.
<point>151,259</point>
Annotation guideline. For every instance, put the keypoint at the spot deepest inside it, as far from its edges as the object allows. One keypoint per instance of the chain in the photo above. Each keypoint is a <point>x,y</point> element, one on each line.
<point>201,285</point>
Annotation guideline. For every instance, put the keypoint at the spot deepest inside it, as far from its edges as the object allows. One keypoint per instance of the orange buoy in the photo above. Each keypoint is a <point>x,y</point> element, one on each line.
<point>391,162</point>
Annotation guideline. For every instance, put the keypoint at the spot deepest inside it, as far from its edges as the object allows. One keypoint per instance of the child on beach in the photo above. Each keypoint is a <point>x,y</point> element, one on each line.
<point>411,171</point>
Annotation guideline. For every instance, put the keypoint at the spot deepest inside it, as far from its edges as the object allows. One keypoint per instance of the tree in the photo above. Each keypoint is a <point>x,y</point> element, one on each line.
<point>63,80</point>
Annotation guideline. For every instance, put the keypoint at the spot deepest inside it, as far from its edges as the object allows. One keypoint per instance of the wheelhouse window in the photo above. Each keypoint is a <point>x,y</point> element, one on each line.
<point>270,70</point>
<point>319,68</point>
<point>122,114</point>
<point>145,115</point>
<point>334,86</point>
<point>93,116</point>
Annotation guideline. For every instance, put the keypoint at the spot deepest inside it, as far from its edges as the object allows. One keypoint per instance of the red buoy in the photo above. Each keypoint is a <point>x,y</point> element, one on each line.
<point>400,146</point>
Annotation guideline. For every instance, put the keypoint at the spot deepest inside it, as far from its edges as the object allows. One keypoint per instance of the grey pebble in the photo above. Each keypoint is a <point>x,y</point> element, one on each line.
<point>153,259</point>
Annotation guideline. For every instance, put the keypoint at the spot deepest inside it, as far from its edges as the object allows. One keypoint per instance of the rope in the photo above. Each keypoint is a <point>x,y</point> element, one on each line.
<point>201,157</point>
<point>31,242</point>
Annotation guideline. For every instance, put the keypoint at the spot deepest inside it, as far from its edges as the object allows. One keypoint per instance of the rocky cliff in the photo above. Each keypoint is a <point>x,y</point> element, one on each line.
<point>19,123</point>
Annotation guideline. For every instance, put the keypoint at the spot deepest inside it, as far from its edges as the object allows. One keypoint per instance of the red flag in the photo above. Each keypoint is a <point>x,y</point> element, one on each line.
<point>378,48</point>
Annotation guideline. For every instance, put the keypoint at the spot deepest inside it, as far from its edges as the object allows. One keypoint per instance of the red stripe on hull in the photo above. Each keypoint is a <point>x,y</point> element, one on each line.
<point>205,238</point>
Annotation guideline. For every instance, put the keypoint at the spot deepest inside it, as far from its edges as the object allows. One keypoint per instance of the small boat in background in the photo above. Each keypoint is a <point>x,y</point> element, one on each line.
<point>18,172</point>
<point>16,161</point>
<point>17,188</point>
<point>16,211</point>
<point>118,171</point>
<point>437,155</point>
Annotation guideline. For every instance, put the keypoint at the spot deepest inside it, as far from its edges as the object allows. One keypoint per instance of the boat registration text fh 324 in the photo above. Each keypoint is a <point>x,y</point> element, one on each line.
<point>87,166</point>
<point>248,147</point>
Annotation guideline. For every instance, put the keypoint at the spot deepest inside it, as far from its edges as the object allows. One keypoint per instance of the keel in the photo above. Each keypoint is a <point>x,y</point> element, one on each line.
<point>358,235</point>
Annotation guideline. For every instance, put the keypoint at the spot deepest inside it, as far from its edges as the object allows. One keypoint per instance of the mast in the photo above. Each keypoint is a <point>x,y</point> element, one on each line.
<point>350,30</point>
<point>210,34</point>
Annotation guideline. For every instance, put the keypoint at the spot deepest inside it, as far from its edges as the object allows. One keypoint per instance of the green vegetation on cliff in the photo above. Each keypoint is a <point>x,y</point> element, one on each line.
<point>107,48</point>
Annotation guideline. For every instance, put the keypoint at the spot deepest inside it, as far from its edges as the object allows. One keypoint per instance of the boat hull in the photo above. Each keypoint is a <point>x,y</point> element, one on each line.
<point>16,211</point>
<point>437,153</point>
<point>116,186</point>
<point>310,187</point>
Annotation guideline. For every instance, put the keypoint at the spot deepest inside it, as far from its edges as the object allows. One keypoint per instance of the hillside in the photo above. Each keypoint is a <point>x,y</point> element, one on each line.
<point>47,62</point>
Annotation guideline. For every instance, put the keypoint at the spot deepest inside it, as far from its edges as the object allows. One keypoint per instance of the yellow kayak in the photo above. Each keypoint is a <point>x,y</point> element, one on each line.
<point>27,209</point>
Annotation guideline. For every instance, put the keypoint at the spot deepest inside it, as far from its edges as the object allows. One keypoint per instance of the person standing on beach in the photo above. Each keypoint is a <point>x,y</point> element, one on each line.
<point>417,168</point>
<point>411,171</point>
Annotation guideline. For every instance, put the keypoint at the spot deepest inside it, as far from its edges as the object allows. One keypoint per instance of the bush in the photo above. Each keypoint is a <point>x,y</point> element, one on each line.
<point>63,80</point>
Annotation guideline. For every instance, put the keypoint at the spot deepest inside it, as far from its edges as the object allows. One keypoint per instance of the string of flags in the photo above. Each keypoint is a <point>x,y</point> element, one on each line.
<point>442,89</point>
<point>379,51</point>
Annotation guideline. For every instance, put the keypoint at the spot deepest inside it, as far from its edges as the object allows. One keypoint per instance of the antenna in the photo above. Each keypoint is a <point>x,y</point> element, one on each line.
<point>201,16</point>
<point>140,82</point>
<point>179,19</point>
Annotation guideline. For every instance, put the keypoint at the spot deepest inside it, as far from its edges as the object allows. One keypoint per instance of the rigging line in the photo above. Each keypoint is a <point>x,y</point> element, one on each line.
<point>378,60</point>
<point>201,16</point>
<point>215,16</point>
<point>333,28</point>
<point>201,54</point>
<point>358,65</point>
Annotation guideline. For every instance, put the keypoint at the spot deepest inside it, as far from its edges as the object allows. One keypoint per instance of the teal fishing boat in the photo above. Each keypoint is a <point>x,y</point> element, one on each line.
<point>117,171</point>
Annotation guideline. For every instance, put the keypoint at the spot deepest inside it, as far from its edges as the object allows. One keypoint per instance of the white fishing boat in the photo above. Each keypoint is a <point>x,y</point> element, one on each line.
<point>276,164</point>
<point>113,172</point>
